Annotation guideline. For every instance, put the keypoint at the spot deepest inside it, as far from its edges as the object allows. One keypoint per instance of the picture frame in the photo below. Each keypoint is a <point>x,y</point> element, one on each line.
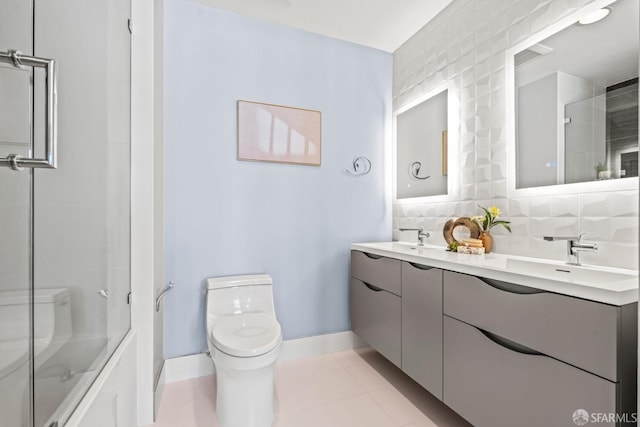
<point>279,134</point>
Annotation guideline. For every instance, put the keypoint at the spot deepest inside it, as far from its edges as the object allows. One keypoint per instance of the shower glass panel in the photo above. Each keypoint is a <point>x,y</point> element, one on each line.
<point>65,256</point>
<point>15,219</point>
<point>585,139</point>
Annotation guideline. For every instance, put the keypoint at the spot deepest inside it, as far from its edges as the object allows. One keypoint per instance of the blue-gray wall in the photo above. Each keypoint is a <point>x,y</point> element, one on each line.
<point>225,216</point>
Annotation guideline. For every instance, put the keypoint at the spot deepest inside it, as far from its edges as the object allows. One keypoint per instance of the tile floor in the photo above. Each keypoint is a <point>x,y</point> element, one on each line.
<point>355,388</point>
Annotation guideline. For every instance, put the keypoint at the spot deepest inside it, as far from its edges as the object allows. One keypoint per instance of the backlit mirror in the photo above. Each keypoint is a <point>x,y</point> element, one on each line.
<point>422,146</point>
<point>575,99</point>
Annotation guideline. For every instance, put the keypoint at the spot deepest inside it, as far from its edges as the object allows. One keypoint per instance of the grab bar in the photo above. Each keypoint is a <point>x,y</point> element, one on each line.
<point>163,293</point>
<point>15,161</point>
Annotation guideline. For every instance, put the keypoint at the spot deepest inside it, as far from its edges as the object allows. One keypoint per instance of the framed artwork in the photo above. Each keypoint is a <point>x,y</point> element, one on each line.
<point>275,133</point>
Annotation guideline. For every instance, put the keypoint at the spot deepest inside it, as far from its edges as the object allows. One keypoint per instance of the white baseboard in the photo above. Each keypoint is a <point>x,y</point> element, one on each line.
<point>200,365</point>
<point>320,344</point>
<point>187,367</point>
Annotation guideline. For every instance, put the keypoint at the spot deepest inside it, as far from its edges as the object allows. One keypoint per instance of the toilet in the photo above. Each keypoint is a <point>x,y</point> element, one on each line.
<point>244,339</point>
<point>49,329</point>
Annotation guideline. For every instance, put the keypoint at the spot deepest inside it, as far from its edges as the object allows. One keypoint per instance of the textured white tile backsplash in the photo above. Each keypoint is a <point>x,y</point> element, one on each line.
<point>466,43</point>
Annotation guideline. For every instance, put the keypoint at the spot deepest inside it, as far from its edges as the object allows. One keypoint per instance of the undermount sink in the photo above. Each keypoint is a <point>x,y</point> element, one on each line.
<point>406,246</point>
<point>565,272</point>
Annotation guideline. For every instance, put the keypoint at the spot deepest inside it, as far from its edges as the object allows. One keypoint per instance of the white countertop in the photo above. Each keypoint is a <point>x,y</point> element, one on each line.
<point>614,286</point>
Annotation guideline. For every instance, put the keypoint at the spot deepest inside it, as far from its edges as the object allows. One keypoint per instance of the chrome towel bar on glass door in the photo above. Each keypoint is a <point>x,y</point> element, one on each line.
<point>50,160</point>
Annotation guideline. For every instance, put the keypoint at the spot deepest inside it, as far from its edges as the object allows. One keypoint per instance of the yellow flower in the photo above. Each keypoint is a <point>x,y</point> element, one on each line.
<point>489,221</point>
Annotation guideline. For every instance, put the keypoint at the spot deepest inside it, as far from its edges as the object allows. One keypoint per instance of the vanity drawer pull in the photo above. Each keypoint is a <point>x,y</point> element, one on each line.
<point>508,344</point>
<point>420,266</point>
<point>372,256</point>
<point>379,271</point>
<point>585,333</point>
<point>373,288</point>
<point>478,373</point>
<point>510,287</point>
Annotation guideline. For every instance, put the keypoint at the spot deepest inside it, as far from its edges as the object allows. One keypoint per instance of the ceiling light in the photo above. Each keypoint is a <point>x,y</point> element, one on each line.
<point>594,16</point>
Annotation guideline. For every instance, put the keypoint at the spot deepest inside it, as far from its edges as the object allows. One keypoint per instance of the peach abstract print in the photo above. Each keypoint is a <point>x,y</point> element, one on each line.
<point>274,133</point>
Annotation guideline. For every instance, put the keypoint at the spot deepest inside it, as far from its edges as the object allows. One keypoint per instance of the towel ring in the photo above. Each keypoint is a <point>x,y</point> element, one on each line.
<point>361,166</point>
<point>414,170</point>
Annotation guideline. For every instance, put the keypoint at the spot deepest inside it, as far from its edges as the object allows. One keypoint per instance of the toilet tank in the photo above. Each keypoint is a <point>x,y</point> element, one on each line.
<point>52,314</point>
<point>239,294</point>
<point>51,326</point>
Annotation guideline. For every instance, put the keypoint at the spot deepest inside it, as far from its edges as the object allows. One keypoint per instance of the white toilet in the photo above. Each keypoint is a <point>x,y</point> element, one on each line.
<point>50,330</point>
<point>244,339</point>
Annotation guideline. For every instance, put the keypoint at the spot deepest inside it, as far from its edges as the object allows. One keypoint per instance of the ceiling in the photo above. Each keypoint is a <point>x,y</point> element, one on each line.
<point>380,24</point>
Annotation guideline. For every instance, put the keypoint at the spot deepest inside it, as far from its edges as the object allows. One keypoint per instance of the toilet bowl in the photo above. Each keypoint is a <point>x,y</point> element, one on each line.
<point>244,339</point>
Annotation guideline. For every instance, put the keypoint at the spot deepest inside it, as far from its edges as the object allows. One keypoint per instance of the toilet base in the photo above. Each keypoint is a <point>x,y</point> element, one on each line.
<point>245,398</point>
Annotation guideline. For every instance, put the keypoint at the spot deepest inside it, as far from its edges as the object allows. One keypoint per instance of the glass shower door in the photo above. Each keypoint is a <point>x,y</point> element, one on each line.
<point>65,248</point>
<point>82,209</point>
<point>585,144</point>
<point>15,220</point>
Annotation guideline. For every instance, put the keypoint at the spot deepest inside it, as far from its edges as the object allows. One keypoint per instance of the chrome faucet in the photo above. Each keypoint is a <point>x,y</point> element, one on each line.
<point>421,235</point>
<point>574,247</point>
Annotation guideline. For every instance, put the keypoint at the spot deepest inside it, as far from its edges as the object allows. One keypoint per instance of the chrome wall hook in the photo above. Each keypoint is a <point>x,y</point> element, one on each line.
<point>414,170</point>
<point>361,166</point>
<point>163,293</point>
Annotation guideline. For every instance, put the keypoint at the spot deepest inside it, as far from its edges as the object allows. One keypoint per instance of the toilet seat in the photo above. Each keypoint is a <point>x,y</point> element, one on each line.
<point>247,334</point>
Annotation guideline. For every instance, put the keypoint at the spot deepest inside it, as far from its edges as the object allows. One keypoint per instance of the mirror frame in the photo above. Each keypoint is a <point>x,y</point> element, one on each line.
<point>452,145</point>
<point>573,188</point>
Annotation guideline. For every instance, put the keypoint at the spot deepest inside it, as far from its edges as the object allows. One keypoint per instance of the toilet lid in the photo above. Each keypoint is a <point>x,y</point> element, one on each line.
<point>247,335</point>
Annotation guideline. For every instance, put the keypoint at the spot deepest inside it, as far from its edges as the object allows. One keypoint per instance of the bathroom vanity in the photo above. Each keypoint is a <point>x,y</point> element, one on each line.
<point>500,338</point>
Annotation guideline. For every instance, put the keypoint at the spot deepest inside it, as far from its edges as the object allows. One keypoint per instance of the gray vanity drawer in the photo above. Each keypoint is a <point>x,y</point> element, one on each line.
<point>375,317</point>
<point>375,270</point>
<point>491,385</point>
<point>422,326</point>
<point>580,332</point>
